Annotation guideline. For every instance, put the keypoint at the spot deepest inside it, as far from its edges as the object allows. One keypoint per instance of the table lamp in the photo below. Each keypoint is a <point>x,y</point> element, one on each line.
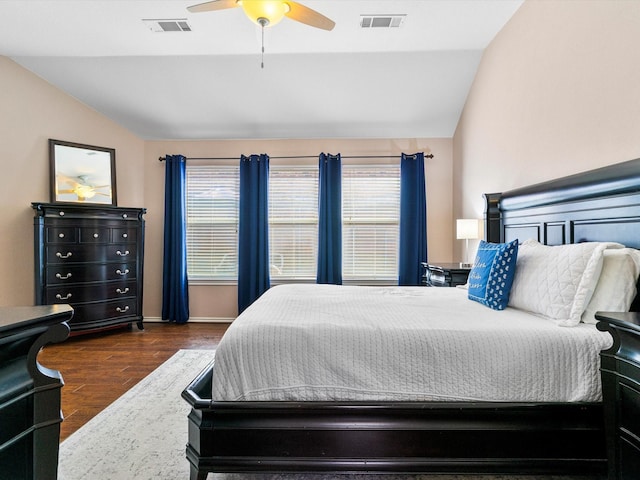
<point>466,229</point>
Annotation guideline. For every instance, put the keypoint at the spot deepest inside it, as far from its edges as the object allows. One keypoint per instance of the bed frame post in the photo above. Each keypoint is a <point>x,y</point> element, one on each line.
<point>492,217</point>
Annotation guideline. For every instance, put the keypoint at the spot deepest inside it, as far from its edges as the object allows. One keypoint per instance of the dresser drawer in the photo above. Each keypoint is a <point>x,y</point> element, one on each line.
<point>75,294</point>
<point>62,235</point>
<point>124,235</point>
<point>90,312</point>
<point>66,254</point>
<point>95,235</point>
<point>68,274</point>
<point>88,214</point>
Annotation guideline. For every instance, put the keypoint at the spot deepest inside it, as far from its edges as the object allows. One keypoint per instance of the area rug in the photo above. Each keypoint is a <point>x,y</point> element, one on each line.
<point>143,434</point>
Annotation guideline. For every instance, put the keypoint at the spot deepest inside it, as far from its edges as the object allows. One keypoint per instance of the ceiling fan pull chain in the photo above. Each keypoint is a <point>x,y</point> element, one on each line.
<point>262,59</point>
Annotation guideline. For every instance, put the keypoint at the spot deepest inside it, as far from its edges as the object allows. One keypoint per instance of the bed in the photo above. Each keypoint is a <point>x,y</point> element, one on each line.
<point>542,419</point>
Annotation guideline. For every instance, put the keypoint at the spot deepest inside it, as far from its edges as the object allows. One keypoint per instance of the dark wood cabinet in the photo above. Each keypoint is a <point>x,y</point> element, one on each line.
<point>444,274</point>
<point>91,257</point>
<point>620,370</point>
<point>30,393</point>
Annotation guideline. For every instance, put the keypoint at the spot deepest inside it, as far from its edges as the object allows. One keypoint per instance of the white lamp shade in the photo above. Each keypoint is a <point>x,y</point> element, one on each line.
<point>468,228</point>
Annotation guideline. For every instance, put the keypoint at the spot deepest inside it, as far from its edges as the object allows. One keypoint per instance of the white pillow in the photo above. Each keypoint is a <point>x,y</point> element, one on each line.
<point>616,287</point>
<point>557,281</point>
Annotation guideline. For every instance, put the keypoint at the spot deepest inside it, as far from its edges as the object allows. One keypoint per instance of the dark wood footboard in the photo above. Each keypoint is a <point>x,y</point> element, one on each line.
<point>348,437</point>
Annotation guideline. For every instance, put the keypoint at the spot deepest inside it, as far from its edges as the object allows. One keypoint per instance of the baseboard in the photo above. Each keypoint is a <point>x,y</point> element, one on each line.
<point>192,320</point>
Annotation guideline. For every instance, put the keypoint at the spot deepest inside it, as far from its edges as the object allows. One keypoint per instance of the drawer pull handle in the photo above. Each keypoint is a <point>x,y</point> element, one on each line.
<point>66,297</point>
<point>124,215</point>
<point>63,255</point>
<point>59,275</point>
<point>119,290</point>
<point>61,235</point>
<point>96,235</point>
<point>125,235</point>
<point>126,252</point>
<point>61,214</point>
<point>122,310</point>
<point>120,272</point>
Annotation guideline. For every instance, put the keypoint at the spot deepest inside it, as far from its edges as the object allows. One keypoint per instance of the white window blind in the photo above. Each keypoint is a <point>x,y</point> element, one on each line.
<point>293,222</point>
<point>370,225</point>
<point>370,198</point>
<point>212,222</point>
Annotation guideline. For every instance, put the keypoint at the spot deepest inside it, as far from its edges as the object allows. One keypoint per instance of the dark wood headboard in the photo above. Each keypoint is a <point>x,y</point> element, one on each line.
<point>598,205</point>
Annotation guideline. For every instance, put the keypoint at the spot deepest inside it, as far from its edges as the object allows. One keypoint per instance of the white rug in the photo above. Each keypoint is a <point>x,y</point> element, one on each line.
<point>143,434</point>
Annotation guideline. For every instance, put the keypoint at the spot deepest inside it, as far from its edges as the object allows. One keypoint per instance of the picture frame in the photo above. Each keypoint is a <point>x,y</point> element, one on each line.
<point>82,173</point>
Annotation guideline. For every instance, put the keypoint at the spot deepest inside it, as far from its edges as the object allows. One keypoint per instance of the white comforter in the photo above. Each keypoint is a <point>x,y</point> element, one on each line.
<point>325,342</point>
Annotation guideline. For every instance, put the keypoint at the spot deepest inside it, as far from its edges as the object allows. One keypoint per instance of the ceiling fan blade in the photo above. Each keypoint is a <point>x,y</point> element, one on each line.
<point>213,5</point>
<point>62,179</point>
<point>305,15</point>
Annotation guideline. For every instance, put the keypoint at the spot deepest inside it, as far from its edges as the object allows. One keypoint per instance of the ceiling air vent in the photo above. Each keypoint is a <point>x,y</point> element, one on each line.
<point>167,24</point>
<point>381,21</point>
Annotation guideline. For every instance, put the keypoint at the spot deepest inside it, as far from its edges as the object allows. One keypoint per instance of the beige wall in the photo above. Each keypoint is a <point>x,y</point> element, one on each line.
<point>220,302</point>
<point>557,92</point>
<point>32,112</point>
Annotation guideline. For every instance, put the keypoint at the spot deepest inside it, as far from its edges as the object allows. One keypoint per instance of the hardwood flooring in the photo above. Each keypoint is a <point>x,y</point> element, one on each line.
<point>98,368</point>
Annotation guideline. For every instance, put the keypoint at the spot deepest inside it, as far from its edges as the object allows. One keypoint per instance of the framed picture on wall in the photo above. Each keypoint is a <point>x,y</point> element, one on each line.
<point>82,173</point>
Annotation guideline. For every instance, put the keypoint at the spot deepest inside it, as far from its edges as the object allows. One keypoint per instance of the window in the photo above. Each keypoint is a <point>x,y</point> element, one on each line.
<point>370,222</point>
<point>212,222</point>
<point>370,216</point>
<point>293,222</point>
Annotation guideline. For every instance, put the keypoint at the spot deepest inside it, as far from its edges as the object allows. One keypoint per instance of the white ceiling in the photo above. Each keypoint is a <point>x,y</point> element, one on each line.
<point>407,82</point>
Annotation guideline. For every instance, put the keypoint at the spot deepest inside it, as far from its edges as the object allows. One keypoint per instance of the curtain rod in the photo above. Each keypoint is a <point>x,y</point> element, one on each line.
<point>430,155</point>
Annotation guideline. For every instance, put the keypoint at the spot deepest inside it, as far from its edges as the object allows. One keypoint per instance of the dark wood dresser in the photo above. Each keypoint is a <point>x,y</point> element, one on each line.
<point>620,370</point>
<point>91,257</point>
<point>30,393</point>
<point>444,274</point>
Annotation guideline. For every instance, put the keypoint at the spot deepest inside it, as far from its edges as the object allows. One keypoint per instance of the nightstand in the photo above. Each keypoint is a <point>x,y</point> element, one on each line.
<point>444,274</point>
<point>620,372</point>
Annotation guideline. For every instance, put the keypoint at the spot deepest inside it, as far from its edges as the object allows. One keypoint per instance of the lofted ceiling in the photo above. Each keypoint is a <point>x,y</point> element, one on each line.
<point>207,83</point>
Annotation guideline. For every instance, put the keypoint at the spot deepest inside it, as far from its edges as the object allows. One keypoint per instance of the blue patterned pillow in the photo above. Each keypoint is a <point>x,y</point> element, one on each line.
<point>492,274</point>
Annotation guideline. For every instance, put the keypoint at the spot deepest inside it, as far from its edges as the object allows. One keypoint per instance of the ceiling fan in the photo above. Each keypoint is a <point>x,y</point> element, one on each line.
<point>269,12</point>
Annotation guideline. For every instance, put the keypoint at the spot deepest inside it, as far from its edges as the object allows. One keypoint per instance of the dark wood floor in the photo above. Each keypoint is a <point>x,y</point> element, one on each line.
<point>99,368</point>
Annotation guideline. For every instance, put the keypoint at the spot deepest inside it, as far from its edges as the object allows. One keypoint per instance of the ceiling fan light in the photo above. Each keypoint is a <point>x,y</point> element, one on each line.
<point>84,191</point>
<point>272,10</point>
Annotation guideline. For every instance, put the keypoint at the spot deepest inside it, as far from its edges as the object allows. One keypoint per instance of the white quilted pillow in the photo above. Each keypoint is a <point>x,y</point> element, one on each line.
<point>616,287</point>
<point>557,281</point>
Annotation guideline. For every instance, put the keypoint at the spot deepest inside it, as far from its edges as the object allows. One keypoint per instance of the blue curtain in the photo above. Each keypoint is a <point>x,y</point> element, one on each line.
<point>330,220</point>
<point>175,285</point>
<point>253,230</point>
<point>413,219</point>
